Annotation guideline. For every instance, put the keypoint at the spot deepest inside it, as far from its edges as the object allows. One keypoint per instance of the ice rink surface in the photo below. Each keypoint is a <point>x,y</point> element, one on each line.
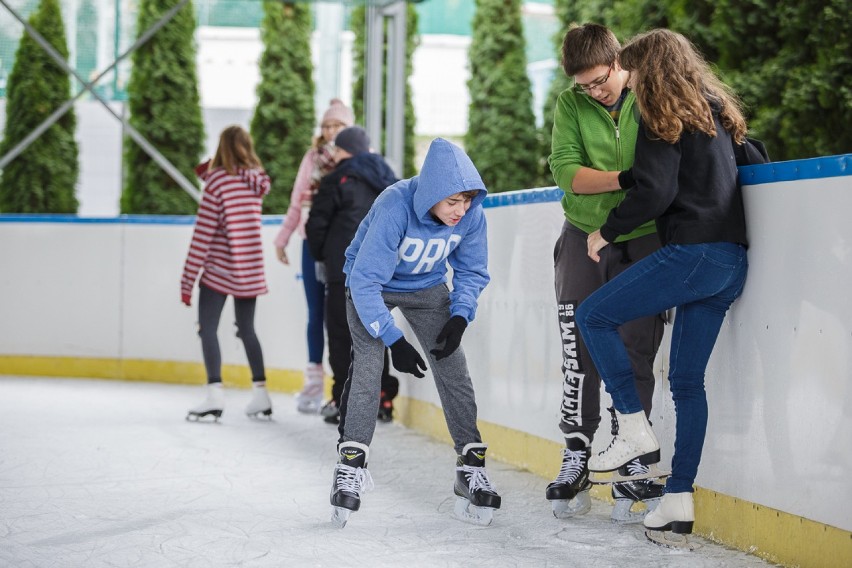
<point>108,473</point>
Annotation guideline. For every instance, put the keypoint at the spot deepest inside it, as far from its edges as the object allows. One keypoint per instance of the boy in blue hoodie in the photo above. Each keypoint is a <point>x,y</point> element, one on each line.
<point>398,259</point>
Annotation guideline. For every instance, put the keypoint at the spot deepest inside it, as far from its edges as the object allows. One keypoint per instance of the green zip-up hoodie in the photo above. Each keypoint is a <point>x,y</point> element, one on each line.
<point>584,134</point>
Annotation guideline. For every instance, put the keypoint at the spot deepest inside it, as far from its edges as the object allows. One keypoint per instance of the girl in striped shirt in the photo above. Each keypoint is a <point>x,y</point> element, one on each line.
<point>226,250</point>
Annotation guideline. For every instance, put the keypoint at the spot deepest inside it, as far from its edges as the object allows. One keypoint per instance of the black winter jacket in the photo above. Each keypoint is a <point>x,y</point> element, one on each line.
<point>343,199</point>
<point>689,187</point>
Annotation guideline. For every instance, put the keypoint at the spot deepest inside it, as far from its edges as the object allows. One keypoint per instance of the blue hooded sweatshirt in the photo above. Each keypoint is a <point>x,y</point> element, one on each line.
<point>401,247</point>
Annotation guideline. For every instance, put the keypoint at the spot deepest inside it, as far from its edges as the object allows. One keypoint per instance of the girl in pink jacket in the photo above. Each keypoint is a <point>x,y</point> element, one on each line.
<point>317,162</point>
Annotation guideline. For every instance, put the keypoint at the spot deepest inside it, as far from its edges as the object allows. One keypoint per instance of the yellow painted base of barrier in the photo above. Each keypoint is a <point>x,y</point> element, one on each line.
<point>173,372</point>
<point>770,534</point>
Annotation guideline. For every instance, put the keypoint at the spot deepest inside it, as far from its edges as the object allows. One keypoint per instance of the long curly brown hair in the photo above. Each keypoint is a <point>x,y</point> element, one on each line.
<point>675,87</point>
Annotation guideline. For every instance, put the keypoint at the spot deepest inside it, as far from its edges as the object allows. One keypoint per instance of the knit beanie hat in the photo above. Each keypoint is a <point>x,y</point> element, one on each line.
<point>339,112</point>
<point>353,139</point>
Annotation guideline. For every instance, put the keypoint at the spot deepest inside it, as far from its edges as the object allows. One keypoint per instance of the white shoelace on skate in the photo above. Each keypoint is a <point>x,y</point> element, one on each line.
<point>636,468</point>
<point>572,466</point>
<point>354,479</point>
<point>477,478</point>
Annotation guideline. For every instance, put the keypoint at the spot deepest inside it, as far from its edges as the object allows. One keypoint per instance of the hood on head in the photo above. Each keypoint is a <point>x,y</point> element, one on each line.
<point>447,170</point>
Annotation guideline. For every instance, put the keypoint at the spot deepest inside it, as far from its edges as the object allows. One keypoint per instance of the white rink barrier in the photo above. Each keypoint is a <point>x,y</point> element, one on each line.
<point>101,298</point>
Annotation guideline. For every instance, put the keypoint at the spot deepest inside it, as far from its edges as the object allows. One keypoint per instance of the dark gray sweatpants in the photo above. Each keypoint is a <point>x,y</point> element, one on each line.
<point>426,312</point>
<point>576,277</point>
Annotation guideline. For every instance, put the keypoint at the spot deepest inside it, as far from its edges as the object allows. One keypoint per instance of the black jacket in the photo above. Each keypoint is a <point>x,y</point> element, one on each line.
<point>344,197</point>
<point>689,187</point>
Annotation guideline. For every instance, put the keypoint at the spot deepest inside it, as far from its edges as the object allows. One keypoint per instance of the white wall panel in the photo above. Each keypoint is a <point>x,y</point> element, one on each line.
<point>60,289</point>
<point>779,382</point>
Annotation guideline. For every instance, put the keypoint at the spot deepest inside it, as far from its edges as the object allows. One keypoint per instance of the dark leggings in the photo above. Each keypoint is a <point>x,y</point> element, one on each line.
<point>210,304</point>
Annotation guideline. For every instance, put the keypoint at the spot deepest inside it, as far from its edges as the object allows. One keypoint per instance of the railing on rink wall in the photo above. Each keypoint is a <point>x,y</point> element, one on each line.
<point>812,168</point>
<point>523,196</point>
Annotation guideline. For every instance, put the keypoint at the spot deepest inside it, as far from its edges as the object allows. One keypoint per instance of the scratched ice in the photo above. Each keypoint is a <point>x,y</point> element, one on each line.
<point>107,473</point>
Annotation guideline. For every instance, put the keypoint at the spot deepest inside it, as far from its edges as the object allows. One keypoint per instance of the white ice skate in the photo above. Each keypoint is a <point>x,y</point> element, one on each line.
<point>351,478</point>
<point>259,406</point>
<point>213,405</point>
<point>671,522</point>
<point>476,497</point>
<point>309,400</point>
<point>569,492</point>
<point>635,439</point>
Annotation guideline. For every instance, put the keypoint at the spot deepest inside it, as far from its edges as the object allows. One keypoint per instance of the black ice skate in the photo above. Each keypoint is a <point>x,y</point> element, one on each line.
<point>477,498</point>
<point>385,408</point>
<point>628,493</point>
<point>330,413</point>
<point>212,406</point>
<point>569,492</point>
<point>351,478</point>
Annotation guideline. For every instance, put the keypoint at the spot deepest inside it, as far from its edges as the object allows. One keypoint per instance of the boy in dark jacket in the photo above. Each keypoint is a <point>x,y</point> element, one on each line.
<point>344,197</point>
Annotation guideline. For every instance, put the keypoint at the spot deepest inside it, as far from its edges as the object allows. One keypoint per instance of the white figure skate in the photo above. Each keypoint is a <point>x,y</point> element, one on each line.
<point>213,404</point>
<point>259,406</point>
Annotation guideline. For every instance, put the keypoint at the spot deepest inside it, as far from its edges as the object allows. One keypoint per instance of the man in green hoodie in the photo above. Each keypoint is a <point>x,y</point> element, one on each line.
<point>594,135</point>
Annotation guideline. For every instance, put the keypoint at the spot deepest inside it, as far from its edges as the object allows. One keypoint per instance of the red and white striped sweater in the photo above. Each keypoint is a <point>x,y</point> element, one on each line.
<point>226,241</point>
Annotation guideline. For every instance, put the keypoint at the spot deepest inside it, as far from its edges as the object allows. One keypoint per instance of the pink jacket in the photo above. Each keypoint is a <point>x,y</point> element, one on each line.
<point>316,163</point>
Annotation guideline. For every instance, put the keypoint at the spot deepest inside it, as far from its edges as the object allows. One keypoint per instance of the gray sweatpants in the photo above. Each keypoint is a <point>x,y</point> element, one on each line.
<point>577,276</point>
<point>426,311</point>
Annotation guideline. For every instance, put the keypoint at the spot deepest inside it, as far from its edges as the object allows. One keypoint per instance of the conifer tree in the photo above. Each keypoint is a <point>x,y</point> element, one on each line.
<point>43,177</point>
<point>165,109</point>
<point>412,40</point>
<point>283,121</point>
<point>501,138</point>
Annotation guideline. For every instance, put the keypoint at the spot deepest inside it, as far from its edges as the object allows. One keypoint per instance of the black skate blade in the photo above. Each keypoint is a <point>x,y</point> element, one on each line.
<point>262,415</point>
<point>671,540</point>
<point>197,416</point>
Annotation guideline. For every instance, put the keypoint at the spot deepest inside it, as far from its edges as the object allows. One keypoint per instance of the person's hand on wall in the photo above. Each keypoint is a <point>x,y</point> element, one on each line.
<point>452,334</point>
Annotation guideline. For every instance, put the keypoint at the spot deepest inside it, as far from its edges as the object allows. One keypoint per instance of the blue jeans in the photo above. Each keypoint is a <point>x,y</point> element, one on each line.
<point>315,295</point>
<point>701,281</point>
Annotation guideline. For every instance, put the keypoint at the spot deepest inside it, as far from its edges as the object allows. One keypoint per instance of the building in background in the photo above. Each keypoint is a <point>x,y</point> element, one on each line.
<point>229,48</point>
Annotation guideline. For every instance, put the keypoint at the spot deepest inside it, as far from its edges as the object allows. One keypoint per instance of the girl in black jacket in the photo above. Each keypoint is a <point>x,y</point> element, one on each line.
<point>685,177</point>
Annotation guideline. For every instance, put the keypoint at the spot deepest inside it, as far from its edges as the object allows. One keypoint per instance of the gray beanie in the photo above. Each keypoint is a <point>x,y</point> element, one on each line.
<point>353,139</point>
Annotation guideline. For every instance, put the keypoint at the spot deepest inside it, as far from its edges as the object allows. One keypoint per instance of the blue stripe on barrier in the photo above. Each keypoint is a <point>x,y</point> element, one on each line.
<point>812,168</point>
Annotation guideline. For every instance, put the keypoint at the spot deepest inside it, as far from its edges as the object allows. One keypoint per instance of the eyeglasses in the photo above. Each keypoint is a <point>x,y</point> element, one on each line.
<point>332,125</point>
<point>580,88</point>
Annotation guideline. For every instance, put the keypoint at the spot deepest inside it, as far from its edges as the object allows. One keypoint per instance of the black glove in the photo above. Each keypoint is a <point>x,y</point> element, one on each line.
<point>625,179</point>
<point>406,358</point>
<point>452,333</point>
